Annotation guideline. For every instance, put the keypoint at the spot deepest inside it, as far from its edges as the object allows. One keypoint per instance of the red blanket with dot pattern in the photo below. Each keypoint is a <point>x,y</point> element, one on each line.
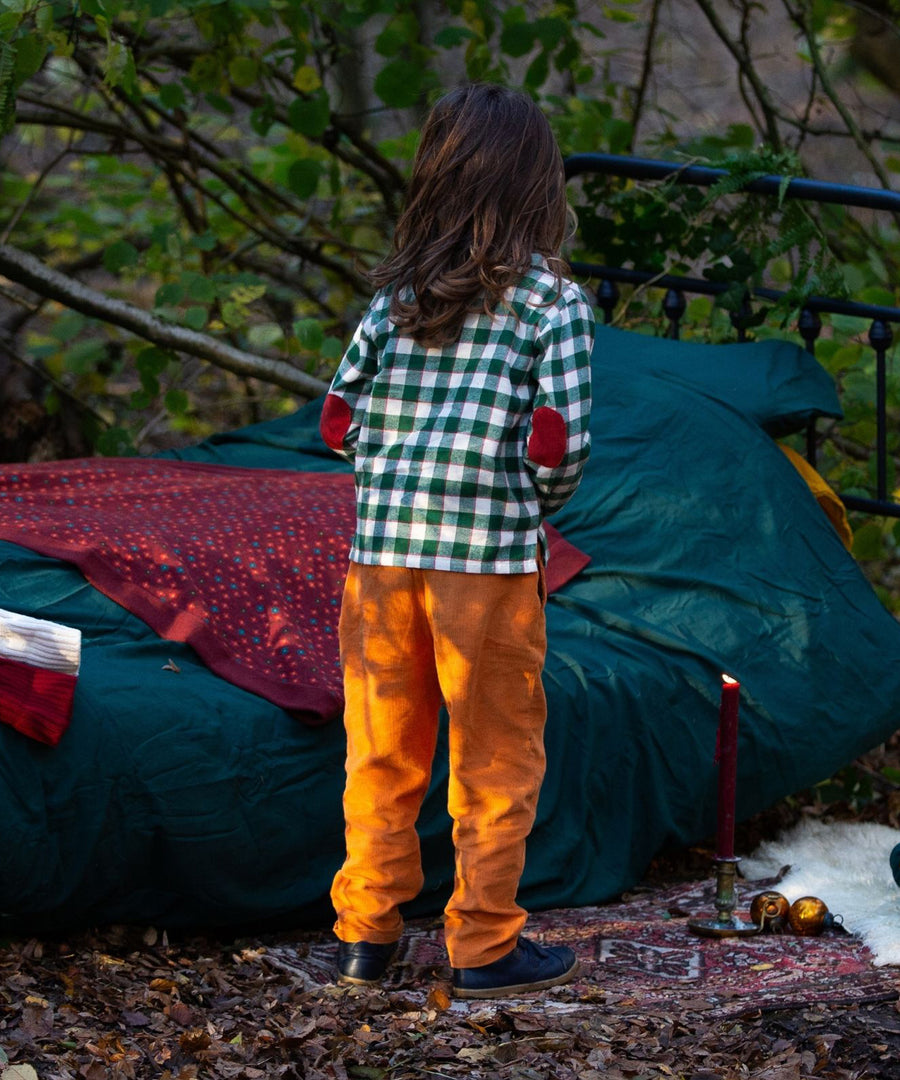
<point>245,565</point>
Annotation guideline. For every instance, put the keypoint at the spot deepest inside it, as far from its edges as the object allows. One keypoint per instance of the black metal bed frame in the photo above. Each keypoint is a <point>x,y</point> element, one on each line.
<point>809,324</point>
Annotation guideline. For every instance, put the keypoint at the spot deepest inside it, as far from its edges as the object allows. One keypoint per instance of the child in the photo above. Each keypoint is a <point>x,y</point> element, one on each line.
<point>463,402</point>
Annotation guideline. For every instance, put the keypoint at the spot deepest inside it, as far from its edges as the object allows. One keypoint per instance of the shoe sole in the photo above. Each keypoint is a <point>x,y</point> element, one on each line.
<point>519,988</point>
<point>351,980</point>
<point>355,980</point>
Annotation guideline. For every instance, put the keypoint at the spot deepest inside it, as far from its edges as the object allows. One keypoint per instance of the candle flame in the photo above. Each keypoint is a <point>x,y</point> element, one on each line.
<point>728,679</point>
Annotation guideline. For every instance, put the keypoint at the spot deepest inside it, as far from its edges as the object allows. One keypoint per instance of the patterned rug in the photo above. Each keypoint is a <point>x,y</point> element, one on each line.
<point>640,956</point>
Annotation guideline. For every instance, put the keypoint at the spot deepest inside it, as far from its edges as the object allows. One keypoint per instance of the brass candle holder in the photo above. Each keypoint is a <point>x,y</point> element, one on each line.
<point>726,923</point>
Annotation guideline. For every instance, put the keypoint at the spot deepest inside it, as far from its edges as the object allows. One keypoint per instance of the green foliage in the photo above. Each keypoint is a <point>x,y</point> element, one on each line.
<point>726,236</point>
<point>234,166</point>
<point>203,159</point>
<point>742,242</point>
<point>849,786</point>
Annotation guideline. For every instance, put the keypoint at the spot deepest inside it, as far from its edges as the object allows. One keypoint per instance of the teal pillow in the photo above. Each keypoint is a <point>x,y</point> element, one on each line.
<point>776,383</point>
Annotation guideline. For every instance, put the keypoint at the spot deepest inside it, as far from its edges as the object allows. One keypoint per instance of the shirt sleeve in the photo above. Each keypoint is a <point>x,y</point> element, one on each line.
<point>347,400</point>
<point>558,439</point>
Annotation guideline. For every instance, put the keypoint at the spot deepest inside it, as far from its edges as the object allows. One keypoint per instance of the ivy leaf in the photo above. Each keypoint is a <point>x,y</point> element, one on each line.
<point>310,334</point>
<point>619,133</point>
<point>400,31</point>
<point>332,349</point>
<point>116,442</point>
<point>868,541</point>
<point>234,315</point>
<point>118,66</point>
<point>400,83</point>
<point>143,398</point>
<point>449,37</point>
<point>29,57</point>
<point>199,288</point>
<point>618,15</point>
<point>247,292</point>
<point>68,326</point>
<point>152,361</point>
<point>204,241</point>
<point>176,402</point>
<point>243,71</point>
<point>263,116</point>
<point>303,178</point>
<point>265,335</point>
<point>518,35</point>
<point>310,116</point>
<point>537,72</point>
<point>84,356</point>
<point>550,31</point>
<point>120,255</point>
<point>306,79</point>
<point>172,292</point>
<point>220,103</point>
<point>195,317</point>
<point>172,96</point>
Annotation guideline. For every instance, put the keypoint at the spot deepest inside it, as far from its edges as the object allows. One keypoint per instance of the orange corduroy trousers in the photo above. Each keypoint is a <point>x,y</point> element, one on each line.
<point>410,640</point>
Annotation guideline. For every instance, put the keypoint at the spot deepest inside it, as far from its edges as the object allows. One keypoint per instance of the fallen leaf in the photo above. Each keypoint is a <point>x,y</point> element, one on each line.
<point>19,1072</point>
<point>134,1019</point>
<point>93,1071</point>
<point>181,1013</point>
<point>475,1053</point>
<point>438,999</point>
<point>37,1020</point>
<point>194,1040</point>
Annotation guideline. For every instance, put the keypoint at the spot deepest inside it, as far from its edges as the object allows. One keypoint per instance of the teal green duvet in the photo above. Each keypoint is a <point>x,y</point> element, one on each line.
<point>177,799</point>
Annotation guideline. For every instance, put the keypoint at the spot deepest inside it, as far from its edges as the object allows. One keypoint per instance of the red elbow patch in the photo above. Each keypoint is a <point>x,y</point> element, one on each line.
<point>547,442</point>
<point>335,422</point>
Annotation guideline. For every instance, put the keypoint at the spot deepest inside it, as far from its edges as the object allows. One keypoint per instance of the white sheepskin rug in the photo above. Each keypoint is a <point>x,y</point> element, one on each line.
<point>846,865</point>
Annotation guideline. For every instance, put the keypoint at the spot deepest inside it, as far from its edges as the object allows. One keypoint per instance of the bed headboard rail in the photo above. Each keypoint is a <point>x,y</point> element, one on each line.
<point>809,324</point>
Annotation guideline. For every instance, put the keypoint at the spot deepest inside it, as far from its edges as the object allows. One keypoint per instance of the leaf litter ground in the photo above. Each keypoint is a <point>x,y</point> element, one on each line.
<point>131,1002</point>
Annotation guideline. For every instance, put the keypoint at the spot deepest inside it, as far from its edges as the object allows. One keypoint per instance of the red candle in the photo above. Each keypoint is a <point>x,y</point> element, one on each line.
<point>727,759</point>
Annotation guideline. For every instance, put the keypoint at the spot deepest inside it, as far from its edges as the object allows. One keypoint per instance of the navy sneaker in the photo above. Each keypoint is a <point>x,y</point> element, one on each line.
<point>362,963</point>
<point>528,967</point>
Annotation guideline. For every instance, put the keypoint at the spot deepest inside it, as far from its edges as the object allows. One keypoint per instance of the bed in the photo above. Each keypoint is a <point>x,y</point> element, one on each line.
<point>180,794</point>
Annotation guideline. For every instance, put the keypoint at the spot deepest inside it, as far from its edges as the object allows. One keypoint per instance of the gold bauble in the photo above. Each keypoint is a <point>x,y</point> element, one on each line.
<point>809,916</point>
<point>768,910</point>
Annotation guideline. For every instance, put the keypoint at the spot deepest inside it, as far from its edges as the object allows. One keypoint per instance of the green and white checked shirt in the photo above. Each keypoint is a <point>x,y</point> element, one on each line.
<point>460,451</point>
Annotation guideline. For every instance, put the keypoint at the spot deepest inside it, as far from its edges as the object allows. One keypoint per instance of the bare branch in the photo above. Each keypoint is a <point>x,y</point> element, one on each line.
<point>30,272</point>
<point>646,68</point>
<point>165,149</point>
<point>45,376</point>
<point>747,71</point>
<point>798,18</point>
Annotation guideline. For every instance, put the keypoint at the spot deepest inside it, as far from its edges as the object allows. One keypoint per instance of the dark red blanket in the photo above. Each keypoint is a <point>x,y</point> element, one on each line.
<point>245,565</point>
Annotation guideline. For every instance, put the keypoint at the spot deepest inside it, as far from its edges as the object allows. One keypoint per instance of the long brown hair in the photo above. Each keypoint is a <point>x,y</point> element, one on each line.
<point>487,190</point>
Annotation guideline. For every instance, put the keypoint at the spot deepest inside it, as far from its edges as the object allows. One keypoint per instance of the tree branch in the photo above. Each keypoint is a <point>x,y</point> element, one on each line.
<point>646,68</point>
<point>747,71</point>
<point>45,376</point>
<point>367,158</point>
<point>834,97</point>
<point>30,272</point>
<point>163,149</point>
